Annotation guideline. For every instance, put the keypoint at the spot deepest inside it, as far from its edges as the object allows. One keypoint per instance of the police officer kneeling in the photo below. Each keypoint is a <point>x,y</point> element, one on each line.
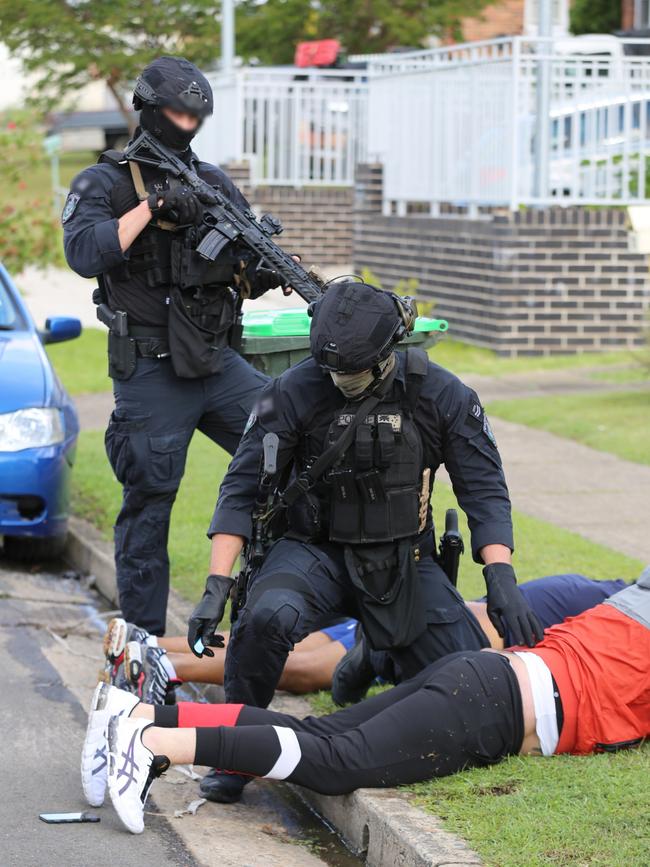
<point>361,431</point>
<point>137,229</point>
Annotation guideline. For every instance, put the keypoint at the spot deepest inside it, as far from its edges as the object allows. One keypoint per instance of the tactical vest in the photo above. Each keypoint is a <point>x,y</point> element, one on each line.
<point>161,255</point>
<point>377,488</point>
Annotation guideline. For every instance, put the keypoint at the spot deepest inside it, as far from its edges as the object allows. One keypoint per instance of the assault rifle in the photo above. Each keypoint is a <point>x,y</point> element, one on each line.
<point>256,548</point>
<point>227,222</point>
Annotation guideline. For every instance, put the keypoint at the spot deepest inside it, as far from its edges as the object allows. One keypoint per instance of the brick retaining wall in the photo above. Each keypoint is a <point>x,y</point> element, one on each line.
<point>538,281</point>
<point>317,220</point>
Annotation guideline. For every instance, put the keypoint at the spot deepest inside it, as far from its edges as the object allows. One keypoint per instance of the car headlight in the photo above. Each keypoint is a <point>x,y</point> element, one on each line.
<point>30,428</point>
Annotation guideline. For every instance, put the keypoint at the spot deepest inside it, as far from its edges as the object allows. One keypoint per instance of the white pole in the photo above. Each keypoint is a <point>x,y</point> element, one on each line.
<point>543,122</point>
<point>227,35</point>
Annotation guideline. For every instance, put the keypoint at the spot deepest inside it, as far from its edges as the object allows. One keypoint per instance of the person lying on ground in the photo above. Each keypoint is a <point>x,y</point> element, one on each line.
<point>151,666</point>
<point>584,688</point>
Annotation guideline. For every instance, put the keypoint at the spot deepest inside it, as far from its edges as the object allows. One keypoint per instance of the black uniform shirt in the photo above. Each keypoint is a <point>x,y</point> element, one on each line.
<point>454,428</point>
<point>91,241</point>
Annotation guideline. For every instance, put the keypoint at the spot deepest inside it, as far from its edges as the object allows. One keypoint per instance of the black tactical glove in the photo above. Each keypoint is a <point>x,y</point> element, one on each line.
<point>178,205</point>
<point>206,617</point>
<point>506,606</point>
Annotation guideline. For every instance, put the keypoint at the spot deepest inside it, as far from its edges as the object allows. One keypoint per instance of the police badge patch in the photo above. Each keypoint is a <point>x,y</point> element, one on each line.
<point>69,208</point>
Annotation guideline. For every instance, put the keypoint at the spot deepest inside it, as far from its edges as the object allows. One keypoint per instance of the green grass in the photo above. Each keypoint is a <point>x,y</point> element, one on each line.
<point>97,497</point>
<point>617,422</point>
<point>81,364</point>
<point>464,358</point>
<point>564,811</point>
<point>541,548</point>
<point>624,375</point>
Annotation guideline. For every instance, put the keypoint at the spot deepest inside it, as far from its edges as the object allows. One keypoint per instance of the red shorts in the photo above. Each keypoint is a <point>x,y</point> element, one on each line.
<point>601,663</point>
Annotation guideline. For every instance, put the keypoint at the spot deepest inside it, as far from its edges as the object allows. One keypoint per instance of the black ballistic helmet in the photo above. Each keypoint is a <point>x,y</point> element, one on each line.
<point>355,326</point>
<point>173,82</point>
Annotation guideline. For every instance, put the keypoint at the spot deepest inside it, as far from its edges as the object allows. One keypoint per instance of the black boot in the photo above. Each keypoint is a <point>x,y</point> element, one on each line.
<point>222,787</point>
<point>354,673</point>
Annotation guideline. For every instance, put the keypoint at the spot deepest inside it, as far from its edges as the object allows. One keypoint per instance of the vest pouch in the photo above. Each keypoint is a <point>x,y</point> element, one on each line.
<point>375,512</point>
<point>345,506</point>
<point>404,509</point>
<point>387,587</point>
<point>304,519</point>
<point>198,331</point>
<point>189,269</point>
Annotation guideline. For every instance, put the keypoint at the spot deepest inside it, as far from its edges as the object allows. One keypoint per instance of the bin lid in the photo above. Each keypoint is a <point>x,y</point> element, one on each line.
<point>294,322</point>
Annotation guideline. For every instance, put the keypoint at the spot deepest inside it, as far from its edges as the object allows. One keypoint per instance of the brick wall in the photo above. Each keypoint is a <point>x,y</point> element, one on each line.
<point>317,220</point>
<point>499,19</point>
<point>532,282</point>
<point>627,14</point>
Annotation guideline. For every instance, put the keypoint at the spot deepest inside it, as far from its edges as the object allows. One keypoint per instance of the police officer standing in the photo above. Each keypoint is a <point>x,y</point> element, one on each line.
<point>172,315</point>
<point>361,430</point>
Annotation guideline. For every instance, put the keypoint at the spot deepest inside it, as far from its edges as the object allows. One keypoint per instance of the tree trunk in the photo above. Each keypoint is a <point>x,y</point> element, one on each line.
<point>127,114</point>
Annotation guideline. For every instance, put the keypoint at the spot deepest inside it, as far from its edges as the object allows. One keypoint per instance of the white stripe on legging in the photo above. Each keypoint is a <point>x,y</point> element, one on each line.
<point>289,756</point>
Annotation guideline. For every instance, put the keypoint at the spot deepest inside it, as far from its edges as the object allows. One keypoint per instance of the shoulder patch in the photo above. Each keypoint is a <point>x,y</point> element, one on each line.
<point>487,430</point>
<point>69,208</point>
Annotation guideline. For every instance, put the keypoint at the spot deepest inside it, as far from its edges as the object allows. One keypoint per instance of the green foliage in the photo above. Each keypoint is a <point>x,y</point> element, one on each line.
<point>31,233</point>
<point>595,16</point>
<point>69,44</point>
<point>269,31</point>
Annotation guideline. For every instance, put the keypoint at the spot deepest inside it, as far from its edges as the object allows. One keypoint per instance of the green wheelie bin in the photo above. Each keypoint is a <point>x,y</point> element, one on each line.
<point>273,340</point>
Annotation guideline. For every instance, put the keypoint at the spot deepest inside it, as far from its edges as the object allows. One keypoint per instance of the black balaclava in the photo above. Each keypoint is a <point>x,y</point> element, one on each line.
<point>165,130</point>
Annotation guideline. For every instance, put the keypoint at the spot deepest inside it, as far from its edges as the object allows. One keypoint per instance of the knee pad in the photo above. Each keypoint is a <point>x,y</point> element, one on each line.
<point>277,616</point>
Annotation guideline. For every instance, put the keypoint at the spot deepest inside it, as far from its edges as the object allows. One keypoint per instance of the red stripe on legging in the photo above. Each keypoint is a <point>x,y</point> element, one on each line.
<point>199,715</point>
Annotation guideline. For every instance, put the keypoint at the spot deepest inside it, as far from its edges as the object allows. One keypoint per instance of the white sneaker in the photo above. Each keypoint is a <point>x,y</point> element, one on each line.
<point>107,701</point>
<point>132,768</point>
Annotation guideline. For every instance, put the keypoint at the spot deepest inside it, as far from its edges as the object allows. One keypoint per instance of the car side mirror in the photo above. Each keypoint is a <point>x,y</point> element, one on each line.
<point>60,328</point>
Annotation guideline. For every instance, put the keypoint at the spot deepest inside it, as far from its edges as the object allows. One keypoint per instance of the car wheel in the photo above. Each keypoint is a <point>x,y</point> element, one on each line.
<point>27,549</point>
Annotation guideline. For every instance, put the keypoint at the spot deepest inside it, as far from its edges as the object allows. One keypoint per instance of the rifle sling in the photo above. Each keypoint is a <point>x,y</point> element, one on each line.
<point>141,190</point>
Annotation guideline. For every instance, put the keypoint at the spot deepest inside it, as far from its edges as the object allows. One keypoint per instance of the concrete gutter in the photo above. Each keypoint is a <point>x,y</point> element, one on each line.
<point>380,824</point>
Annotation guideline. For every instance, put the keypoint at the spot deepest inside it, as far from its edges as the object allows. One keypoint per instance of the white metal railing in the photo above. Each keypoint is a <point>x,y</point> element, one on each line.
<point>295,127</point>
<point>458,125</point>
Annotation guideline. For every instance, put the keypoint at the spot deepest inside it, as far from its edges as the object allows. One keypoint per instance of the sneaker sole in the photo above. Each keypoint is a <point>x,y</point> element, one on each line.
<point>115,639</point>
<point>88,754</point>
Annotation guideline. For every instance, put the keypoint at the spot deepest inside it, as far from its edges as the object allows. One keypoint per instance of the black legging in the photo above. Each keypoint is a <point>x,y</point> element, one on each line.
<point>462,711</point>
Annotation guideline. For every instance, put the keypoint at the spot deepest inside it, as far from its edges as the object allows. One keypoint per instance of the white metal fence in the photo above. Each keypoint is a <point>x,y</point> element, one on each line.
<point>458,126</point>
<point>455,126</point>
<point>295,127</point>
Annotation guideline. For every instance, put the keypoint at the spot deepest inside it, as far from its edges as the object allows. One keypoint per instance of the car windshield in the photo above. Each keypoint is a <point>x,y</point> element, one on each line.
<point>9,315</point>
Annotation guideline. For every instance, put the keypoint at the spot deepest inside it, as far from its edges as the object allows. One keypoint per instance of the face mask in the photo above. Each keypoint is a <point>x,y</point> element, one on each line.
<point>353,385</point>
<point>154,121</point>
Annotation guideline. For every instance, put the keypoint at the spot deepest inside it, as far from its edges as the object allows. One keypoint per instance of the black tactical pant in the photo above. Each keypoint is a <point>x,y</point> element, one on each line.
<point>301,588</point>
<point>156,414</point>
<point>461,712</point>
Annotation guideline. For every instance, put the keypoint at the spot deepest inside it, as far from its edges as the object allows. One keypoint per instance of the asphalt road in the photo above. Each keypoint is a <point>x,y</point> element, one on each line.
<point>50,650</point>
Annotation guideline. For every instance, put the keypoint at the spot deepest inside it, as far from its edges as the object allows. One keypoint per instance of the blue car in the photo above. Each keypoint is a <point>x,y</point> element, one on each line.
<point>38,432</point>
